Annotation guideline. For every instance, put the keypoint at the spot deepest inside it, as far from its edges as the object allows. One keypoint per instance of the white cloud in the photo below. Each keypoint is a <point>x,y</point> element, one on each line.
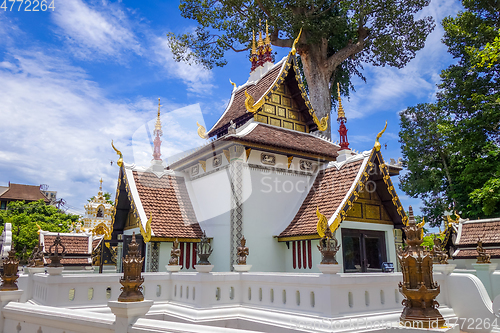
<point>197,78</point>
<point>57,126</point>
<point>102,29</point>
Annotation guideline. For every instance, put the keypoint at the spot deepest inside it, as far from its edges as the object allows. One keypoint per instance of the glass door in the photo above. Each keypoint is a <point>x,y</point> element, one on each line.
<point>363,250</point>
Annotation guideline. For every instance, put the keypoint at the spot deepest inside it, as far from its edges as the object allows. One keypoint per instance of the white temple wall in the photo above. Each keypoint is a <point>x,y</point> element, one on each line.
<point>211,199</point>
<point>273,200</point>
<point>165,248</point>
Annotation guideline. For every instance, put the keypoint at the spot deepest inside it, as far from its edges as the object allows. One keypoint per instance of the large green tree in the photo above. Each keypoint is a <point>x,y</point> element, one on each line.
<point>24,218</point>
<point>451,148</point>
<point>337,36</point>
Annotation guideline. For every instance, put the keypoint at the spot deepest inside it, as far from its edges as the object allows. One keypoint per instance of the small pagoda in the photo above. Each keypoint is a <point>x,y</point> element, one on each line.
<point>418,285</point>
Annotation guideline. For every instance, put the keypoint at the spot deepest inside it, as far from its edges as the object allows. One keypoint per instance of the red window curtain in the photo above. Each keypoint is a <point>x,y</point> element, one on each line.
<point>309,254</point>
<point>304,254</point>
<point>181,258</point>
<point>188,255</point>
<point>194,253</point>
<point>294,259</point>
<point>299,256</point>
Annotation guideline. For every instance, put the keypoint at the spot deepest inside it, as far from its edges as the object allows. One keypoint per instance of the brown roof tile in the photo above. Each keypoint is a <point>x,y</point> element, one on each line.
<point>237,107</point>
<point>72,244</point>
<point>23,192</point>
<point>472,253</point>
<point>72,261</point>
<point>488,232</point>
<point>168,200</point>
<point>329,189</point>
<point>287,139</point>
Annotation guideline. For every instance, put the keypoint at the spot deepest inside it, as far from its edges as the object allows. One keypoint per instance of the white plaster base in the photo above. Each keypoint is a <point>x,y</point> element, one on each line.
<point>242,268</point>
<point>55,270</point>
<point>329,269</point>
<point>445,269</point>
<point>10,295</point>
<point>128,312</point>
<point>35,270</point>
<point>204,268</point>
<point>173,268</point>
<point>485,267</point>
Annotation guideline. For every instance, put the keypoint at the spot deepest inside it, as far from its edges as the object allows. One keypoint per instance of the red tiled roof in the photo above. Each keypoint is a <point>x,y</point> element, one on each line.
<point>488,232</point>
<point>72,261</point>
<point>72,244</point>
<point>23,192</point>
<point>330,188</point>
<point>287,139</point>
<point>472,253</point>
<point>168,200</point>
<point>237,107</point>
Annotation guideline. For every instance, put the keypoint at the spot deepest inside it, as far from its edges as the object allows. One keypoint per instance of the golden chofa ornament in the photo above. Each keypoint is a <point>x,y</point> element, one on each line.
<point>132,279</point>
<point>418,286</point>
<point>9,276</point>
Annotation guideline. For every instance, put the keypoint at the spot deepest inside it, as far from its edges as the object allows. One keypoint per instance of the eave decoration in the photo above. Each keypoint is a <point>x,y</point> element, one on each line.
<point>250,104</point>
<point>146,234</point>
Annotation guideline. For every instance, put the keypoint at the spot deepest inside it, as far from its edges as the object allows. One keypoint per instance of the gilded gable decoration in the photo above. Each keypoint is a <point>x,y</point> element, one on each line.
<point>250,104</point>
<point>290,159</point>
<point>203,165</point>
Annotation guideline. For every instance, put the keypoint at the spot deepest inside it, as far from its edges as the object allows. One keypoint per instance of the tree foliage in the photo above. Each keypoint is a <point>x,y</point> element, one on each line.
<point>24,218</point>
<point>337,36</point>
<point>451,147</point>
<point>106,196</point>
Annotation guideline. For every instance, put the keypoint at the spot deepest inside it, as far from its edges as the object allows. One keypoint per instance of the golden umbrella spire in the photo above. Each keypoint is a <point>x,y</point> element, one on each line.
<point>341,113</point>
<point>267,40</point>
<point>260,42</point>
<point>254,48</point>
<point>158,121</point>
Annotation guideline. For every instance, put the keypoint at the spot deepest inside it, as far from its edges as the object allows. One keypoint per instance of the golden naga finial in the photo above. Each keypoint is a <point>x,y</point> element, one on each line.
<point>322,223</point>
<point>421,225</point>
<point>234,84</point>
<point>39,228</point>
<point>322,124</point>
<point>377,143</point>
<point>294,50</point>
<point>120,160</point>
<point>146,234</point>
<point>341,113</point>
<point>202,132</point>
<point>267,40</point>
<point>250,104</point>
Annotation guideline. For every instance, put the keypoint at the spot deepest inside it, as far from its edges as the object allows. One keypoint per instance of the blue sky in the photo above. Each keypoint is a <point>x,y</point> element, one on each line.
<point>89,72</point>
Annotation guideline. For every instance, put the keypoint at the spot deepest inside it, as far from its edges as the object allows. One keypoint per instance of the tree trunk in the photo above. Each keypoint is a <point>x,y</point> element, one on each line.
<point>318,76</point>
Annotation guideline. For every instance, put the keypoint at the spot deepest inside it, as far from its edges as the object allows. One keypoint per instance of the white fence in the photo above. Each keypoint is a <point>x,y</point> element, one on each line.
<point>243,300</point>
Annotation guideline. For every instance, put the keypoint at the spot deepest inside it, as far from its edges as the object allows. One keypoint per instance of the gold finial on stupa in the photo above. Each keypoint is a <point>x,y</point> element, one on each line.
<point>261,41</point>
<point>158,121</point>
<point>267,40</point>
<point>100,185</point>
<point>341,113</point>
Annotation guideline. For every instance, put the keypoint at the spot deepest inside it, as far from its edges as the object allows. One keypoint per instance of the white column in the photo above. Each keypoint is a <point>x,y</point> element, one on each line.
<point>127,313</point>
<point>483,272</point>
<point>5,298</point>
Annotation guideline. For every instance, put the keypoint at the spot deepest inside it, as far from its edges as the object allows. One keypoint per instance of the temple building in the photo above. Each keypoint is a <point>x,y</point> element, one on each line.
<point>98,211</point>
<point>264,174</point>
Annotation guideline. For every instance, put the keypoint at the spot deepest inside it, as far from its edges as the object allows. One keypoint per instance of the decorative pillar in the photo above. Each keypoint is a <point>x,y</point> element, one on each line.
<point>8,289</point>
<point>236,223</point>
<point>418,285</point>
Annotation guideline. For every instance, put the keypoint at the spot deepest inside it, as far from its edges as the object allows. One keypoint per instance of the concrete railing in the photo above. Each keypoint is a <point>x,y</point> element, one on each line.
<point>208,297</point>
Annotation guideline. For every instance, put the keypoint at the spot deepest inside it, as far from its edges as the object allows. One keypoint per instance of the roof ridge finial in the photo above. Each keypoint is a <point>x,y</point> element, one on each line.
<point>254,48</point>
<point>341,113</point>
<point>267,40</point>
<point>100,185</point>
<point>261,41</point>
